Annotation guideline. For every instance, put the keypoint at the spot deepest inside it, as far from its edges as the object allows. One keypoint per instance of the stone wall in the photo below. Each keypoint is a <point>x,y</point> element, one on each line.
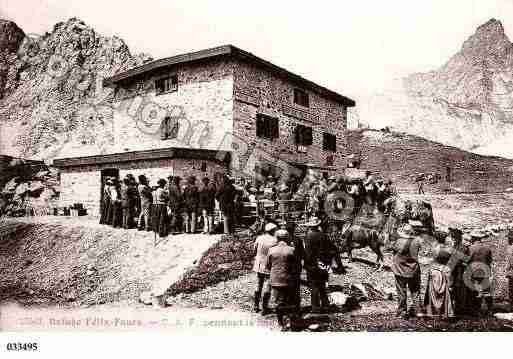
<point>202,105</point>
<point>83,184</point>
<point>259,91</point>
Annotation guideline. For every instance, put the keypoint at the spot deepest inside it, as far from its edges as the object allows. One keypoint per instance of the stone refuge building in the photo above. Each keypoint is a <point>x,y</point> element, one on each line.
<point>208,112</point>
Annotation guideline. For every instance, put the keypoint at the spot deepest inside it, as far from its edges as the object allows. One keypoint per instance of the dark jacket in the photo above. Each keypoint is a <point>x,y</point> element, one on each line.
<point>207,196</point>
<point>191,198</point>
<point>480,254</point>
<point>175,198</point>
<point>226,196</point>
<point>280,263</point>
<point>128,195</point>
<point>406,259</point>
<point>316,253</point>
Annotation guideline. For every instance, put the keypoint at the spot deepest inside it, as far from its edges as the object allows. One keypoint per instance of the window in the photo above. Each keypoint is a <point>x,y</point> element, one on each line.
<point>301,98</point>
<point>267,127</point>
<point>329,142</point>
<point>169,128</point>
<point>303,135</point>
<point>166,84</point>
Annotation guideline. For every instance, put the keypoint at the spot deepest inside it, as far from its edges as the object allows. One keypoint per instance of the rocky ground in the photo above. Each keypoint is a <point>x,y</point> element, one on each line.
<point>56,259</point>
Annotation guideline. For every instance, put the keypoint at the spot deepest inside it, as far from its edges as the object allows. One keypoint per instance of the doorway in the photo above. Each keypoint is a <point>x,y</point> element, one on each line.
<point>107,173</point>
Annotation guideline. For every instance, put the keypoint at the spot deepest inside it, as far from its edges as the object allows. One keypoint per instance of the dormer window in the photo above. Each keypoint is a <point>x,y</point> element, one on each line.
<point>301,98</point>
<point>166,84</point>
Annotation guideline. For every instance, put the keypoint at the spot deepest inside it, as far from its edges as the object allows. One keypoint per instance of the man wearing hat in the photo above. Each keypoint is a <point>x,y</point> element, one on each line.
<point>262,245</point>
<point>406,269</point>
<point>338,184</point>
<point>481,272</point>
<point>226,195</point>
<point>281,261</point>
<point>317,269</point>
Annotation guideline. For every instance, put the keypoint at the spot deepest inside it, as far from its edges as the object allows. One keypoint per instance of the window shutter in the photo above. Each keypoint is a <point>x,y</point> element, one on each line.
<point>276,128</point>
<point>260,126</point>
<point>297,131</point>
<point>308,136</point>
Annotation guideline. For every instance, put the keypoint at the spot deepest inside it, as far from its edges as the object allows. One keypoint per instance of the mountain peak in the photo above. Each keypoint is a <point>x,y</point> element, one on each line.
<point>489,38</point>
<point>491,26</point>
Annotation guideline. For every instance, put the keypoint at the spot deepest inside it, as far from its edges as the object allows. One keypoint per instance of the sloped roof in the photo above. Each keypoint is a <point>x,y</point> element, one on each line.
<point>226,50</point>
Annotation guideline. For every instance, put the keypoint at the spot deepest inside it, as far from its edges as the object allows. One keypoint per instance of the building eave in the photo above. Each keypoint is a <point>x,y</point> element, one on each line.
<point>156,154</point>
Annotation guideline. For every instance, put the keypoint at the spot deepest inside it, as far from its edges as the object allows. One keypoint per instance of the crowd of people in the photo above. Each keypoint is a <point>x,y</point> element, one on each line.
<point>459,278</point>
<point>279,260</point>
<point>172,206</point>
<point>189,205</point>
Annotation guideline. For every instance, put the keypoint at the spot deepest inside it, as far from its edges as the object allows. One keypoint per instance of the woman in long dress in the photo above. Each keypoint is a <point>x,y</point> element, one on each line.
<point>437,301</point>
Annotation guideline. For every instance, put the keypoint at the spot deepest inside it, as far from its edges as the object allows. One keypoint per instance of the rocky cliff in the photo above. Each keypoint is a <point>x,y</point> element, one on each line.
<point>51,96</point>
<point>467,103</point>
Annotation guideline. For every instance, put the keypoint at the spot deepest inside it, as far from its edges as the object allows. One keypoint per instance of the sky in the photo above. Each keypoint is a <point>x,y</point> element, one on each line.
<point>352,47</point>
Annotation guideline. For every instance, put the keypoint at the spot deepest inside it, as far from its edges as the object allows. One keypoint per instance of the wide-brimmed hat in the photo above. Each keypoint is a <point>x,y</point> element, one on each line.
<point>454,231</point>
<point>368,181</point>
<point>253,190</point>
<point>270,227</point>
<point>476,234</point>
<point>282,234</point>
<point>332,178</point>
<point>313,222</point>
<point>341,179</point>
<point>406,231</point>
<point>415,223</point>
<point>283,187</point>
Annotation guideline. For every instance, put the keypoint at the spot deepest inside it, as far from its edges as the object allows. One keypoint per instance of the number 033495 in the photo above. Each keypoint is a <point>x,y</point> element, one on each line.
<point>22,347</point>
